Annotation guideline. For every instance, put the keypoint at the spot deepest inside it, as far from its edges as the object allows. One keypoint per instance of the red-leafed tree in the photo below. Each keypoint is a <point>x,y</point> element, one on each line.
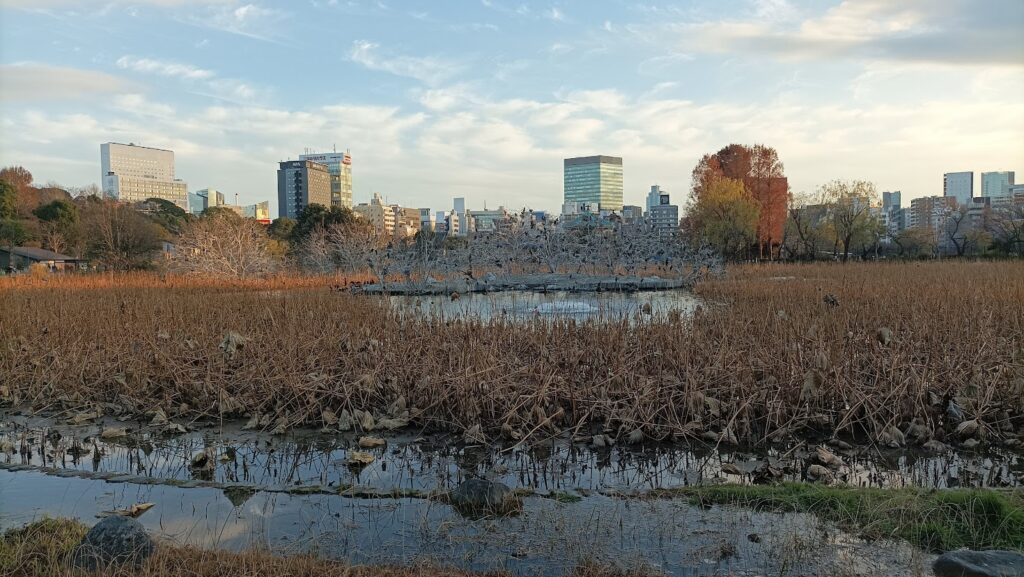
<point>763,176</point>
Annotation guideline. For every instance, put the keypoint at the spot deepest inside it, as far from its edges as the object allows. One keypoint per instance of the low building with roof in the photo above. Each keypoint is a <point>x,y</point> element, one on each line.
<point>22,257</point>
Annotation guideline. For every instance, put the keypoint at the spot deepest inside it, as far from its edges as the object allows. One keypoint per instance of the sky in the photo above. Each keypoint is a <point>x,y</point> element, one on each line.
<point>484,98</point>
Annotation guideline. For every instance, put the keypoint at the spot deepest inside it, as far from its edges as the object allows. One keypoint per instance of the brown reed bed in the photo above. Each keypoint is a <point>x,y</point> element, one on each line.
<point>778,351</point>
<point>46,549</point>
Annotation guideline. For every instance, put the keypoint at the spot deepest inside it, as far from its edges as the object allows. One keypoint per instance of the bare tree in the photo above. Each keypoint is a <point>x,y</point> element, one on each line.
<point>223,246</point>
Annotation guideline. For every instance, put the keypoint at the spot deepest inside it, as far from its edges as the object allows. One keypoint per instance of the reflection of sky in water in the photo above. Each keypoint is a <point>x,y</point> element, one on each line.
<point>549,537</point>
<point>523,305</point>
<point>304,459</point>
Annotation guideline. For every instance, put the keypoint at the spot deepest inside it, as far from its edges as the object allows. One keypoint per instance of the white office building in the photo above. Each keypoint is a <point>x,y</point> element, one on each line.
<point>959,185</point>
<point>133,173</point>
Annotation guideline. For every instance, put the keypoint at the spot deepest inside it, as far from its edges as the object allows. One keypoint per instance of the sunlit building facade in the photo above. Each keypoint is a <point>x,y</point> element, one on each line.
<point>339,166</point>
<point>135,173</point>
<point>594,180</point>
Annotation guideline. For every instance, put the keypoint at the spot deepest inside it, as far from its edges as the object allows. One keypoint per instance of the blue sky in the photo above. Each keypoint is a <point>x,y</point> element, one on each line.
<point>483,98</point>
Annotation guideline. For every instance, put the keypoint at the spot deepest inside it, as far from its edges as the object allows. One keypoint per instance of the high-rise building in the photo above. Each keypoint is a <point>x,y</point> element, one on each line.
<point>134,173</point>
<point>996,183</point>
<point>595,180</point>
<point>339,165</point>
<point>931,211</point>
<point>653,197</point>
<point>959,185</point>
<point>892,213</point>
<point>664,216</point>
<point>301,183</point>
<point>632,214</point>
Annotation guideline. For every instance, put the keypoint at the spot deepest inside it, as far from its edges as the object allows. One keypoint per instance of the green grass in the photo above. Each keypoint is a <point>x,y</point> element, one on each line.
<point>33,550</point>
<point>934,520</point>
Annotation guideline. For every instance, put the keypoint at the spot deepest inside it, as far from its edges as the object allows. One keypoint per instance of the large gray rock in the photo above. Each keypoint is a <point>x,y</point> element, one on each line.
<point>115,540</point>
<point>979,564</point>
<point>483,497</point>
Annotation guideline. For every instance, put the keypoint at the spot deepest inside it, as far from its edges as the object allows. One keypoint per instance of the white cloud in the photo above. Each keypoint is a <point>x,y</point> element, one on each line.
<point>941,31</point>
<point>426,69</point>
<point>39,82</point>
<point>164,68</point>
<point>555,14</point>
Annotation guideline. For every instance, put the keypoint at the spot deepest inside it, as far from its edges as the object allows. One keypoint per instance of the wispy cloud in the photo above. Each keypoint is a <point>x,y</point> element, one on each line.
<point>200,80</point>
<point>248,20</point>
<point>164,68</point>
<point>427,69</point>
<point>31,82</point>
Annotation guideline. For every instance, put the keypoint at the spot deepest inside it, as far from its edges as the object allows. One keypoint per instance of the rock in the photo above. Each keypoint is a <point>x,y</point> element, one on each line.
<point>480,496</point>
<point>389,424</point>
<point>970,443</point>
<point>884,336</point>
<point>936,446</point>
<point>979,564</point>
<point>174,429</point>
<point>116,540</point>
<point>368,442</point>
<point>366,421</point>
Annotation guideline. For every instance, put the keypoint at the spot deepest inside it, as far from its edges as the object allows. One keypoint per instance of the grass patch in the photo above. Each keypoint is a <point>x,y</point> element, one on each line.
<point>43,549</point>
<point>934,520</point>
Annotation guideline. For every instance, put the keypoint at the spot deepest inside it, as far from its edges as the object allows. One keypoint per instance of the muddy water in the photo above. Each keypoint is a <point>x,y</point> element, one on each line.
<point>295,493</point>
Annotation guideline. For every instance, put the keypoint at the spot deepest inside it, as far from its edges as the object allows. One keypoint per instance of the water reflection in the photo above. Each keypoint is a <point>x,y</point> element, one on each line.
<point>525,305</point>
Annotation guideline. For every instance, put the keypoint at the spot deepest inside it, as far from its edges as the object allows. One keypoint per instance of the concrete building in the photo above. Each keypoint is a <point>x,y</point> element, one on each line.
<point>378,214</point>
<point>664,216</point>
<point>301,183</point>
<point>959,185</point>
<point>594,180</point>
<point>931,211</point>
<point>485,221</point>
<point>892,213</point>
<point>632,214</point>
<point>201,200</point>
<point>426,223</point>
<point>339,166</point>
<point>996,183</point>
<point>459,208</point>
<point>135,173</point>
<point>407,221</point>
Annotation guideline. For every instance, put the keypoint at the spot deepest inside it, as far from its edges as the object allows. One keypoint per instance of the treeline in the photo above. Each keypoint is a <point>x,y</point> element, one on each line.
<point>742,206</point>
<point>112,235</point>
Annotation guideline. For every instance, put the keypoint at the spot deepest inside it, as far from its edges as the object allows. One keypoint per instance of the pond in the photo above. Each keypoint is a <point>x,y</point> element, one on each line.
<point>526,305</point>
<point>296,493</point>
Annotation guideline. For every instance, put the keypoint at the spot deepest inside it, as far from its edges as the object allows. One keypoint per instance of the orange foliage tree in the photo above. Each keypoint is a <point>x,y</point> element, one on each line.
<point>764,178</point>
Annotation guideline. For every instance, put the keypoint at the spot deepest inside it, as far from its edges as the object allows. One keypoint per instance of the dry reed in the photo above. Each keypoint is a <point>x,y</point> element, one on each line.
<point>778,351</point>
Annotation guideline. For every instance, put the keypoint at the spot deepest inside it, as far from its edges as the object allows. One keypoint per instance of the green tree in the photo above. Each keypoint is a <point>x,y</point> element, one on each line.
<point>220,212</point>
<point>725,216</point>
<point>281,228</point>
<point>318,216</point>
<point>59,224</point>
<point>165,213</point>
<point>8,200</point>
<point>849,212</point>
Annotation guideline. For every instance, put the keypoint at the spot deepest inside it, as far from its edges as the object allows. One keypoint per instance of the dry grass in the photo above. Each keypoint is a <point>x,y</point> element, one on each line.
<point>44,549</point>
<point>768,356</point>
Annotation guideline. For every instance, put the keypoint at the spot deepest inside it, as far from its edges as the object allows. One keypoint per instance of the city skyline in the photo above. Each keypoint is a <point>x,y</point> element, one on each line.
<point>486,102</point>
